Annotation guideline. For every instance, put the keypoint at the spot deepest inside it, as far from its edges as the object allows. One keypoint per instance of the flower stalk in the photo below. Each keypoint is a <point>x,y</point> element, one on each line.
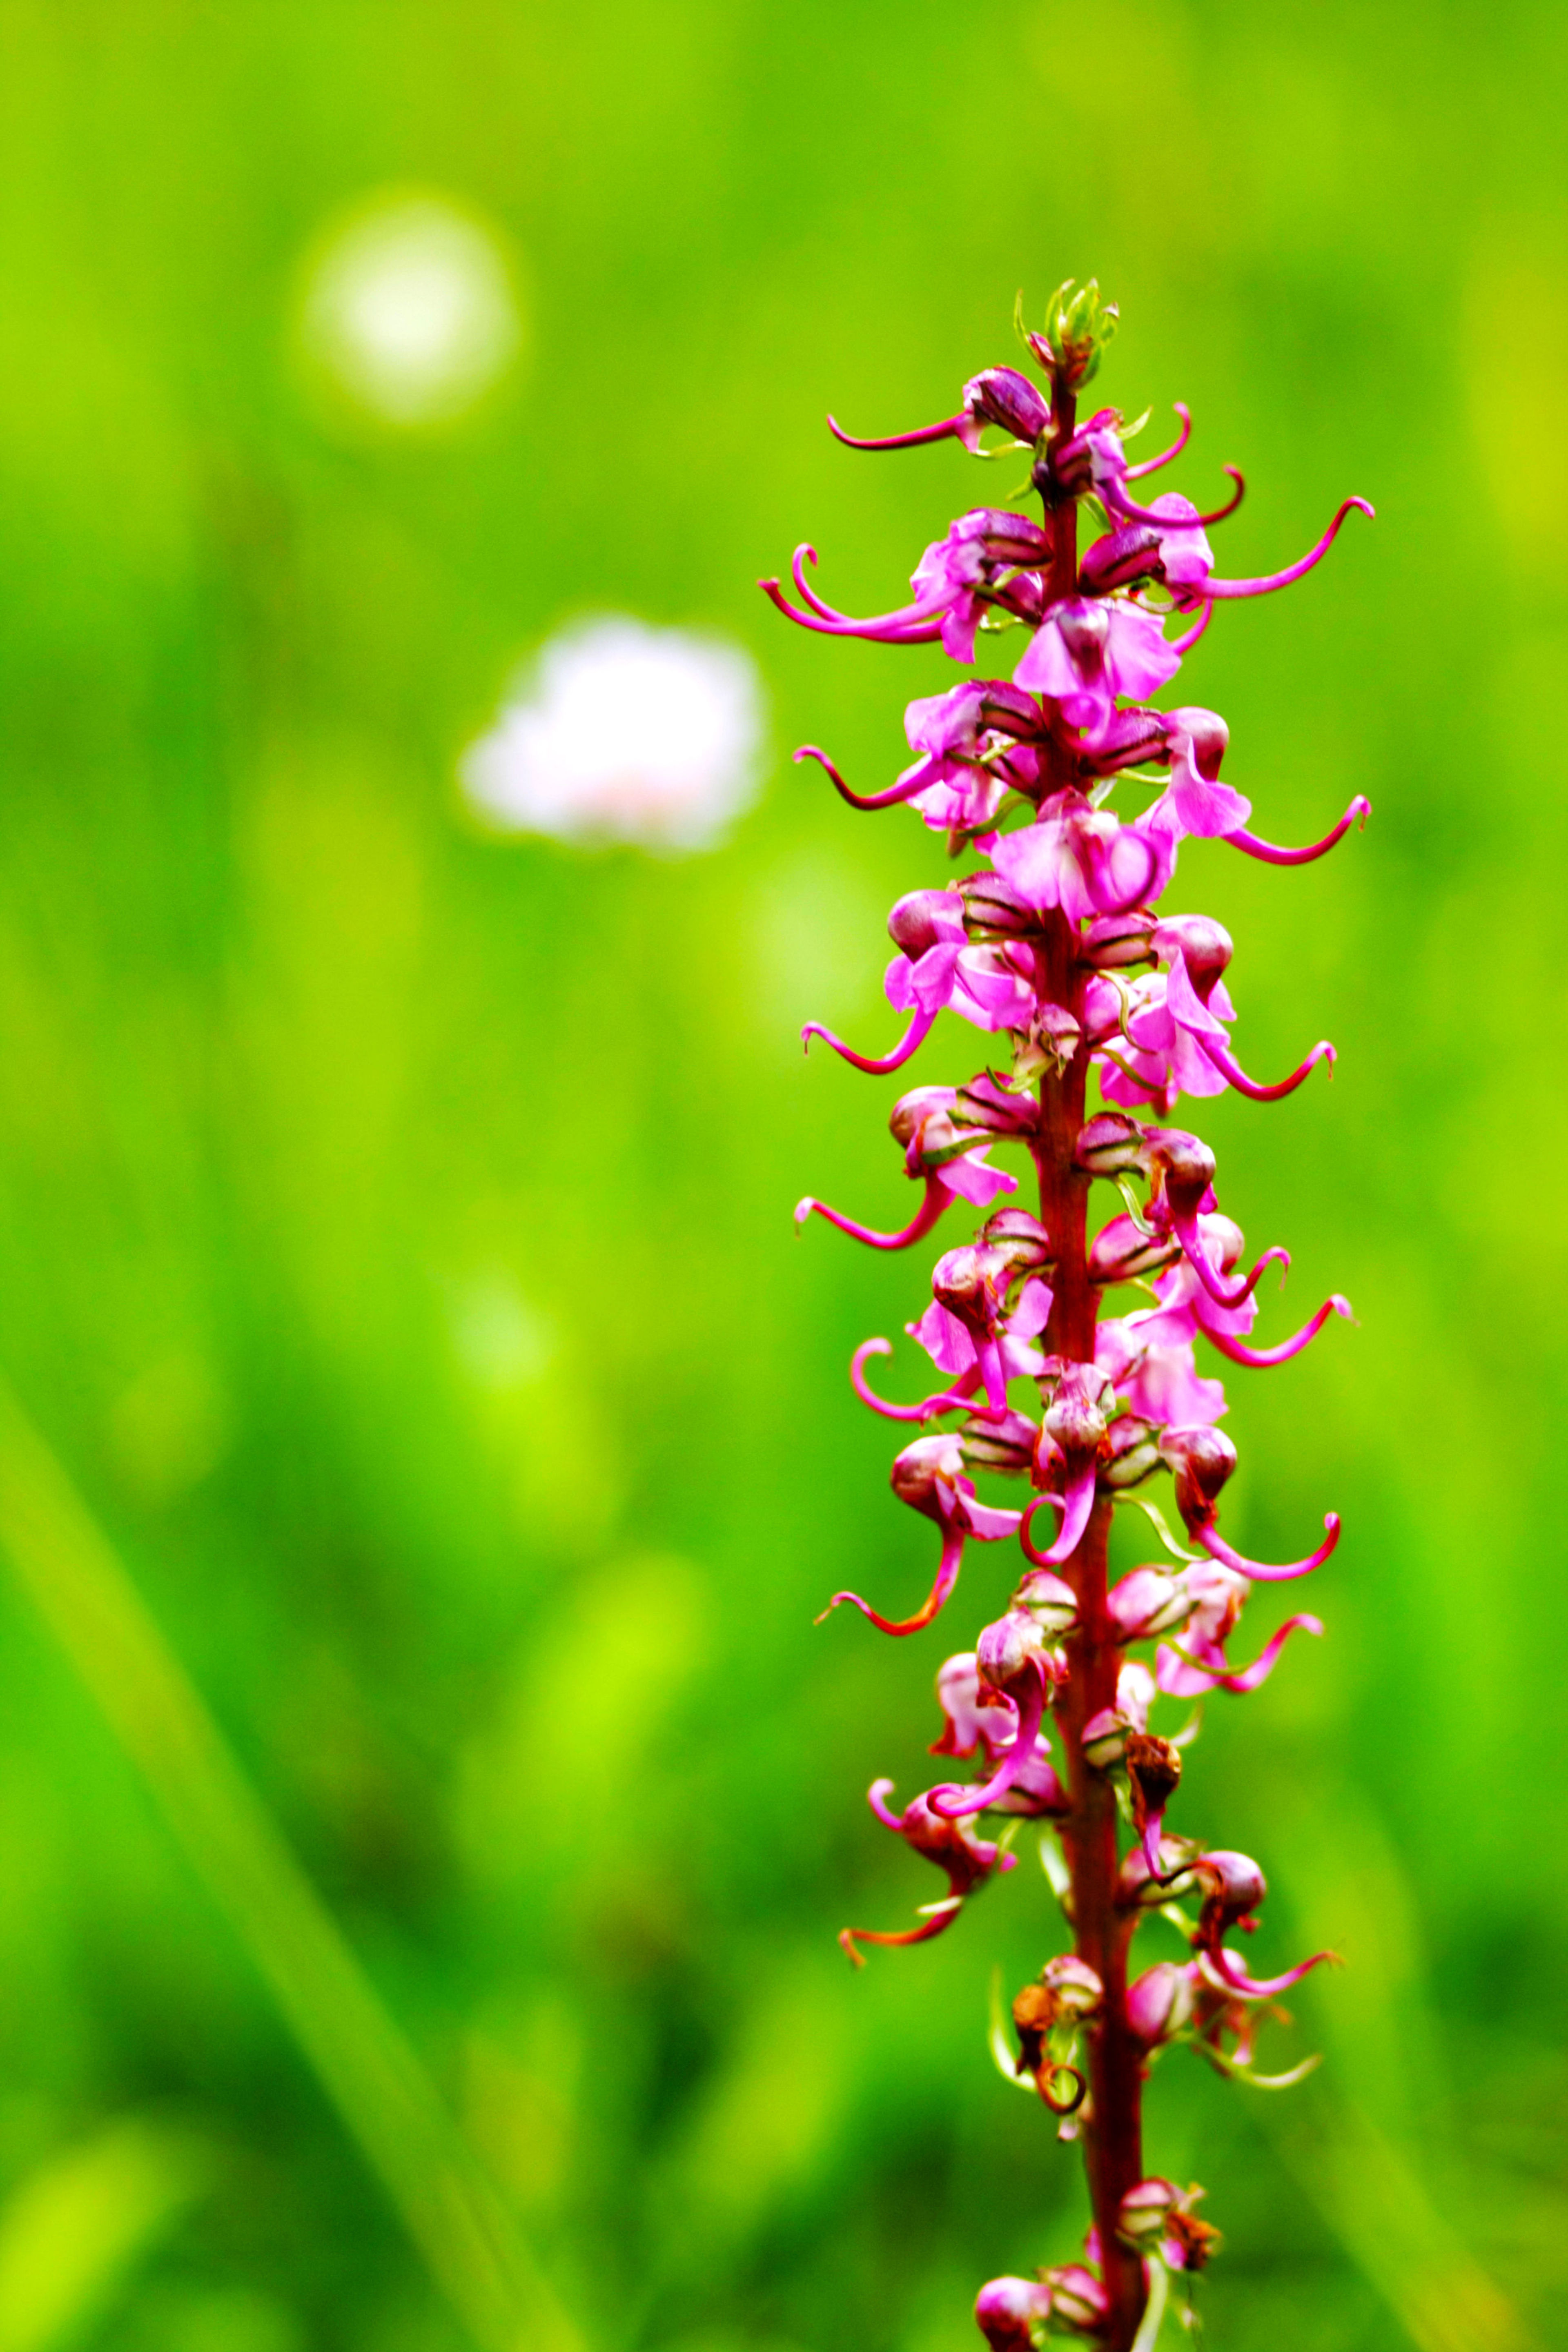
<point>1102,1016</point>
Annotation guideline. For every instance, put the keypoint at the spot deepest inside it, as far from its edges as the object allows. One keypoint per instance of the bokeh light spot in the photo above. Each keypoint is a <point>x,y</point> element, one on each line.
<point>411,310</point>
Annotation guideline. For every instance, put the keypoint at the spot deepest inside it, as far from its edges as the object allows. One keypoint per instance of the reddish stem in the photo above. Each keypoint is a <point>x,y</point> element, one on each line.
<point>1112,2131</point>
<point>1114,2126</point>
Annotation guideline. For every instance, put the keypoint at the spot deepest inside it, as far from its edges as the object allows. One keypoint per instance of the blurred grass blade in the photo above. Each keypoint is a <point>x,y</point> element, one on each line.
<point>72,2228</point>
<point>1369,2190</point>
<point>447,2203</point>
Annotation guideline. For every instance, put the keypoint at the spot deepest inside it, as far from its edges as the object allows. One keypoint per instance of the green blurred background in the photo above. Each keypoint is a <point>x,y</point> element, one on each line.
<point>394,1237</point>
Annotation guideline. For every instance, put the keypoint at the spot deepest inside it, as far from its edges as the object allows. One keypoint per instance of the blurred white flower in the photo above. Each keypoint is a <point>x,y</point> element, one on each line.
<point>624,733</point>
<point>410,309</point>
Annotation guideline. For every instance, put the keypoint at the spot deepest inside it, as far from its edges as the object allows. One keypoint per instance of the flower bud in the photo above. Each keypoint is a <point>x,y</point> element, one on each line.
<point>1020,1241</point>
<point>1147,1601</point>
<point>1078,2299</point>
<point>1159,2001</point>
<point>1120,1253</point>
<point>1187,1165</point>
<point>916,922</point>
<point>1079,323</point>
<point>1205,946</point>
<point>1049,1044</point>
<point>1074,1987</point>
<point>910,1112</point>
<point>1111,1144</point>
<point>1153,1773</point>
<point>1012,2313</point>
<point>1131,1453</point>
<point>1050,1602</point>
<point>964,1281</point>
<point>1006,1445</point>
<point>1009,1653</point>
<point>1143,2213</point>
<point>1207,734</point>
<point>1203,1458</point>
<point>1075,1419</point>
<point>1104,1739</point>
<point>983,1104</point>
<point>925,1469</point>
<point>1233,1887</point>
<point>1112,942</point>
<point>1139,1888</point>
<point>937,1140</point>
<point>1121,558</point>
<point>1000,395</point>
<point>992,909</point>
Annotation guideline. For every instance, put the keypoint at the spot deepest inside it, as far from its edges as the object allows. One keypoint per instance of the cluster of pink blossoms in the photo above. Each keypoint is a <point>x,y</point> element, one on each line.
<point>1053,947</point>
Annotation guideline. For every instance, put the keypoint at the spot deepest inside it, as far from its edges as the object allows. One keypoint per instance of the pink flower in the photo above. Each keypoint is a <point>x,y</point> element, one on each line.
<point>969,1330</point>
<point>975,744</point>
<point>968,1862</point>
<point>959,576</point>
<point>1012,2313</point>
<point>1079,858</point>
<point>1090,650</point>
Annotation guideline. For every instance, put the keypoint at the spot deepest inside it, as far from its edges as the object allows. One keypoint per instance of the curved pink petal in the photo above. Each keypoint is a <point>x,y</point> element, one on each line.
<point>940,1917</point>
<point>1185,645</point>
<point>1217,1549</point>
<point>937,1197</point>
<point>1077,1504</point>
<point>904,790</point>
<point>1185,1227</point>
<point>913,1038</point>
<point>1153,465</point>
<point>1230,1069</point>
<point>1272,854</point>
<point>1225,1972</point>
<point>1036,1559</point>
<point>954,1804</point>
<point>946,1401</point>
<point>1120,504</point>
<point>1264,586</point>
<point>909,624</point>
<point>951,1560</point>
<point>948,429</point>
<point>1198,1676</point>
<point>1260,1359</point>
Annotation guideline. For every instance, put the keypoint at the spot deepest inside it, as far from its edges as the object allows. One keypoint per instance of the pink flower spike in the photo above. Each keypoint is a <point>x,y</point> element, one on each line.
<point>1153,465</point>
<point>1229,1068</point>
<point>946,1401</point>
<point>1265,587</point>
<point>913,1038</point>
<point>905,789</point>
<point>951,1560</point>
<point>1226,1973</point>
<point>965,1802</point>
<point>1124,507</point>
<point>1271,854</point>
<point>948,429</point>
<point>1260,1359</point>
<point>1217,1549</point>
<point>937,1197</point>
